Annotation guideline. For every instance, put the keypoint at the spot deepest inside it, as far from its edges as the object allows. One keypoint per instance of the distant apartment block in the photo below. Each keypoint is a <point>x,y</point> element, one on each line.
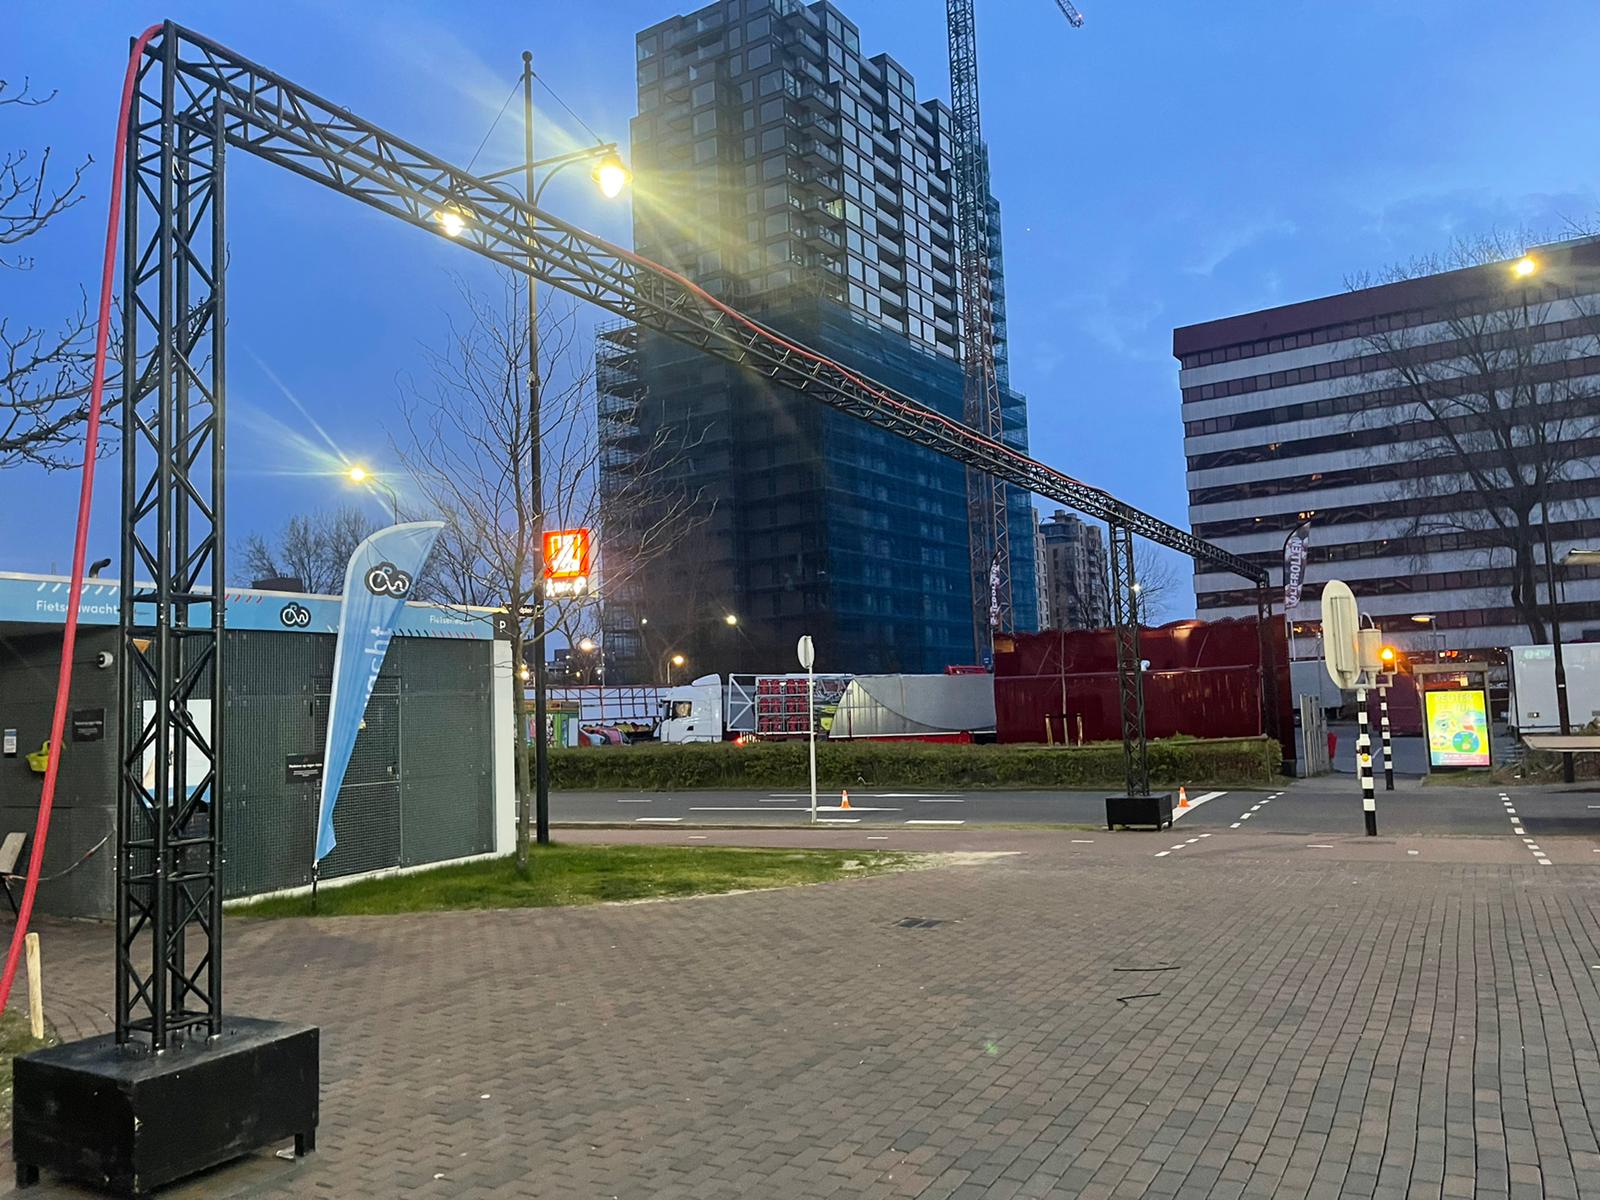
<point>1075,591</point>
<point>1311,412</point>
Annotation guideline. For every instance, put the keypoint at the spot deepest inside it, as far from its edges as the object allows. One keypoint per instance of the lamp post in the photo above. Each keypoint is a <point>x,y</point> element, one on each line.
<point>360,475</point>
<point>676,660</point>
<point>1432,622</point>
<point>610,175</point>
<point>1524,269</point>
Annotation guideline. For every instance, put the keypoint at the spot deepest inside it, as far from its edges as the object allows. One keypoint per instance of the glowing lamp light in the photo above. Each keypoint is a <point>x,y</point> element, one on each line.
<point>677,660</point>
<point>1387,655</point>
<point>611,175</point>
<point>1524,267</point>
<point>451,221</point>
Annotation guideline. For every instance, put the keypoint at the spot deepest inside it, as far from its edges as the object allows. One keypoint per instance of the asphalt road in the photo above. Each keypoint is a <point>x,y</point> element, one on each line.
<point>1328,805</point>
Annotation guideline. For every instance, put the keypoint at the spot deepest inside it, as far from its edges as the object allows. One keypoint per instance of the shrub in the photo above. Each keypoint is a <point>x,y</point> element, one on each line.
<point>1230,762</point>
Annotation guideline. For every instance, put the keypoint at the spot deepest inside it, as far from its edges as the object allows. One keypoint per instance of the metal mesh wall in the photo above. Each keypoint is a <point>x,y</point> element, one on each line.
<point>419,785</point>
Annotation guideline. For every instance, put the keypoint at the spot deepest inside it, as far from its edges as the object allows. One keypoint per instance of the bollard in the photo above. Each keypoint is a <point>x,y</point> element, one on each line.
<point>35,987</point>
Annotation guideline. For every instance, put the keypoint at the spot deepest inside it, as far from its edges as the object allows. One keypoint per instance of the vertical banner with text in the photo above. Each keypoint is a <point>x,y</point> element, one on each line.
<point>377,583</point>
<point>1294,566</point>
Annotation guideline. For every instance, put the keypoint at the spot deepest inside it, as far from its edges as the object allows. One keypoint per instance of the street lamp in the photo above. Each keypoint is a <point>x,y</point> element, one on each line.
<point>730,620</point>
<point>1432,622</point>
<point>362,477</point>
<point>677,660</point>
<point>1525,268</point>
<point>610,175</point>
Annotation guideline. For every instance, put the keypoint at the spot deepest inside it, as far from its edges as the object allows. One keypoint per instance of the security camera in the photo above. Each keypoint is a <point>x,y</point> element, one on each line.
<point>104,659</point>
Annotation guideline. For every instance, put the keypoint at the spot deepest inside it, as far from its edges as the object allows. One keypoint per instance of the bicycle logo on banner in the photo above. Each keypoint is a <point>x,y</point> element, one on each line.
<point>386,579</point>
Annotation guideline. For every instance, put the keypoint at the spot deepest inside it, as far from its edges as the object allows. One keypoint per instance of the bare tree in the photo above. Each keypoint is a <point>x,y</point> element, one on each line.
<point>44,372</point>
<point>312,547</point>
<point>1487,415</point>
<point>467,441</point>
<point>1160,588</point>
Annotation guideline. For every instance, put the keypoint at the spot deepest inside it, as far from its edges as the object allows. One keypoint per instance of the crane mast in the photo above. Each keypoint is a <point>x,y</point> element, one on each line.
<point>988,531</point>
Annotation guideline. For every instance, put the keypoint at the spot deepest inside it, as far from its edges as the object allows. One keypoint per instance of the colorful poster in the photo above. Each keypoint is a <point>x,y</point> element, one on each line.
<point>1458,728</point>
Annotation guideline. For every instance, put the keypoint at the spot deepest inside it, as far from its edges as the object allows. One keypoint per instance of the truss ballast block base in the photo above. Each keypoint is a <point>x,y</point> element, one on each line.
<point>123,1119</point>
<point>1154,811</point>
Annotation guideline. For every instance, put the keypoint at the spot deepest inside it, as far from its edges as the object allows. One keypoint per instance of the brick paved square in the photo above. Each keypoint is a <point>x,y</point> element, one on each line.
<point>1333,1027</point>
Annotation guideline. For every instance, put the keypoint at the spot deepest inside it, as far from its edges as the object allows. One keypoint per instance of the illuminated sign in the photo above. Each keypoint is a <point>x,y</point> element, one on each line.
<point>1458,728</point>
<point>567,562</point>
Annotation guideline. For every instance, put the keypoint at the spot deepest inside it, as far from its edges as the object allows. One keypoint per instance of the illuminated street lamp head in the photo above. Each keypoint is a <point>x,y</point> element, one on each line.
<point>1422,618</point>
<point>357,474</point>
<point>451,220</point>
<point>1386,655</point>
<point>730,619</point>
<point>1524,267</point>
<point>587,645</point>
<point>611,175</point>
<point>677,660</point>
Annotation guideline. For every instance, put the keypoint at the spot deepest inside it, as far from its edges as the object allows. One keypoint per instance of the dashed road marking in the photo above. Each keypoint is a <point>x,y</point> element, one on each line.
<point>656,820</point>
<point>935,822</point>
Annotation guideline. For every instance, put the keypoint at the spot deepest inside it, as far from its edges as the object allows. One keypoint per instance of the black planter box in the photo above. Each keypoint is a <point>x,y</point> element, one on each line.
<point>1154,811</point>
<point>129,1121</point>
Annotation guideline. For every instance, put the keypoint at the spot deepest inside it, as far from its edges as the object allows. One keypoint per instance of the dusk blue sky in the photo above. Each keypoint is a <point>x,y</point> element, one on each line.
<point>1165,164</point>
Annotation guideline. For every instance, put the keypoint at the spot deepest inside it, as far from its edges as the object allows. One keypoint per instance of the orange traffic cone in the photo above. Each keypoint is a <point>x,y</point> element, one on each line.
<point>1183,796</point>
<point>844,798</point>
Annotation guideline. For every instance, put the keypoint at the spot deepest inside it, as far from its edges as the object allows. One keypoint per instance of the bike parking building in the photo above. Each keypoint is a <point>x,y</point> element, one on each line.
<point>430,779</point>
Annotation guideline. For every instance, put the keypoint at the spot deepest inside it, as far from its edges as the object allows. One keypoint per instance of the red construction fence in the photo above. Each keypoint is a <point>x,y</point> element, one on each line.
<point>1204,681</point>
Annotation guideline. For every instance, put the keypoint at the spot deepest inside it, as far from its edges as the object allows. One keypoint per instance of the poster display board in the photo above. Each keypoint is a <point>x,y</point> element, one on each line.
<point>1458,728</point>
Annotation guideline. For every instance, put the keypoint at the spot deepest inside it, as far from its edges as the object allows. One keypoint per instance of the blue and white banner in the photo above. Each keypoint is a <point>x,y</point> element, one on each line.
<point>376,585</point>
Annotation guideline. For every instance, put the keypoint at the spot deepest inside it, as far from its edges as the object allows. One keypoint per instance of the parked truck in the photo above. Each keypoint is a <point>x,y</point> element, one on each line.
<point>1532,670</point>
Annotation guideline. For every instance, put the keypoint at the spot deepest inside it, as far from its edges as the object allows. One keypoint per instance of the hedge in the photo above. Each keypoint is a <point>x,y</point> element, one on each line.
<point>1231,762</point>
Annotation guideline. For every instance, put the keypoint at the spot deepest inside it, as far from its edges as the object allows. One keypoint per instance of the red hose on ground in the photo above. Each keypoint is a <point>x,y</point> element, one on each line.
<point>80,546</point>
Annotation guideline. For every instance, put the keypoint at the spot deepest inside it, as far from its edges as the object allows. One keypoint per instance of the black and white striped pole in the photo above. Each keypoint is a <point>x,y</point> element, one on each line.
<point>1369,799</point>
<point>1388,742</point>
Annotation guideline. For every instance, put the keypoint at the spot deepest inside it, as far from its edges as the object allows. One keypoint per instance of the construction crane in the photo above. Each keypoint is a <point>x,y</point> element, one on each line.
<point>988,533</point>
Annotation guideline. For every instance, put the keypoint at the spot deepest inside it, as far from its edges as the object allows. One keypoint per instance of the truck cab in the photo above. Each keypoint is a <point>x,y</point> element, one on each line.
<point>692,712</point>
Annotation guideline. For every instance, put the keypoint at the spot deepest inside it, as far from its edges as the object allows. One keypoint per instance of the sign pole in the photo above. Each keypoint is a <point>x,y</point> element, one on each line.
<point>806,652</point>
<point>1369,799</point>
<point>1388,742</point>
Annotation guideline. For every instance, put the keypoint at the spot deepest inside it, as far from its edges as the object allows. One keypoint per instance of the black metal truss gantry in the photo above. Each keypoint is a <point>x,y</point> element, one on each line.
<point>194,99</point>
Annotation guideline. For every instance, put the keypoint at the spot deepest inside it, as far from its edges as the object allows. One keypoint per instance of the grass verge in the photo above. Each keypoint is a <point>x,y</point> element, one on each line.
<point>585,874</point>
<point>14,1040</point>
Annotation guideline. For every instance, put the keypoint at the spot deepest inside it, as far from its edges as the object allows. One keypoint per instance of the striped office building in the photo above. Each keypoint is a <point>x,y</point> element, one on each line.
<point>1300,414</point>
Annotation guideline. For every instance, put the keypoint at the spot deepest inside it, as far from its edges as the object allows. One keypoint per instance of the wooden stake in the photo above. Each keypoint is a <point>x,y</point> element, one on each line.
<point>35,988</point>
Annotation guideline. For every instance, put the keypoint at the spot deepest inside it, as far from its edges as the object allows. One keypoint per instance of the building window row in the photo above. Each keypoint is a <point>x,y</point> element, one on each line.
<point>1374,435</point>
<point>1384,510</point>
<point>1364,364</point>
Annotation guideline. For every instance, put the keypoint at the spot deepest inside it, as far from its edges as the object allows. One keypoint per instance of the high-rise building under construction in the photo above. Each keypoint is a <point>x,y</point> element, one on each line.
<point>807,185</point>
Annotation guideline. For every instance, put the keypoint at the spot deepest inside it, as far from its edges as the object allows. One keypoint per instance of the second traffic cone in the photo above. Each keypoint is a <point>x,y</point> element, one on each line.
<point>844,798</point>
<point>1183,796</point>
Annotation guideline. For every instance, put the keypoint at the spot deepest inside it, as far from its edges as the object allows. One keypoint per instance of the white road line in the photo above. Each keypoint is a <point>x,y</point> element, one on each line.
<point>1317,846</point>
<point>1236,825</point>
<point>877,837</point>
<point>1083,841</point>
<point>1256,807</point>
<point>736,808</point>
<point>1205,835</point>
<point>842,808</point>
<point>935,822</point>
<point>938,799</point>
<point>1413,851</point>
<point>697,837</point>
<point>838,820</point>
<point>1246,816</point>
<point>1195,803</point>
<point>1162,853</point>
<point>645,801</point>
<point>656,820</point>
<point>1191,841</point>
